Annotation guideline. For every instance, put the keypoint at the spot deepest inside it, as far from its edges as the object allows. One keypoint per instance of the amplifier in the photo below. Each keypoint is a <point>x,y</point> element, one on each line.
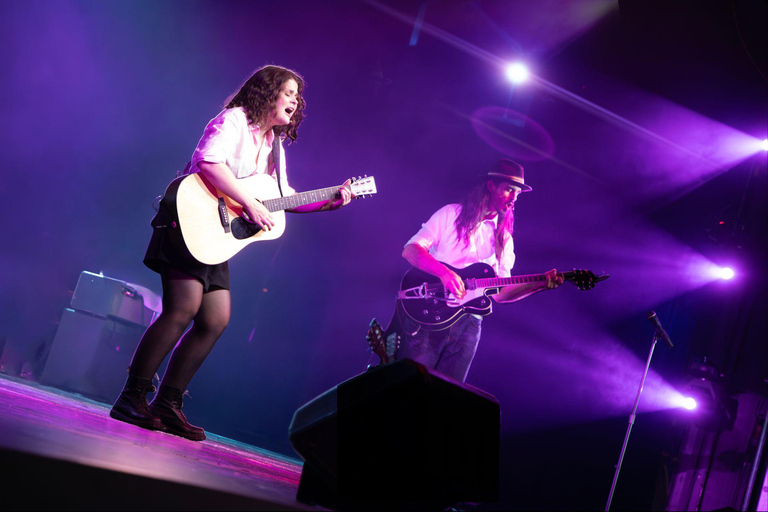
<point>114,299</point>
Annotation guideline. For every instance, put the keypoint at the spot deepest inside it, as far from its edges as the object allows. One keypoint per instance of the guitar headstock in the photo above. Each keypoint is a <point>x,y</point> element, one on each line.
<point>375,339</point>
<point>363,187</point>
<point>384,345</point>
<point>584,279</point>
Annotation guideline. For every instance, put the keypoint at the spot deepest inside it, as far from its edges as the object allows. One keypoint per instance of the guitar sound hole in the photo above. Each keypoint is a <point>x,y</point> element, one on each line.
<point>242,229</point>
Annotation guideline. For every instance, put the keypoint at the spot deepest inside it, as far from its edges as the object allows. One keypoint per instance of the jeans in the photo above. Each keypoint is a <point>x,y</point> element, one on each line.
<point>449,351</point>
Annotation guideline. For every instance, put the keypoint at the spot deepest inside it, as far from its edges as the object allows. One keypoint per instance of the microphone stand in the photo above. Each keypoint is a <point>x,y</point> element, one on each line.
<point>656,337</point>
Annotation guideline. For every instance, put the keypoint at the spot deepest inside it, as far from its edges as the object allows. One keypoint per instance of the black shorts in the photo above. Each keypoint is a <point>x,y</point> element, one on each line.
<point>166,248</point>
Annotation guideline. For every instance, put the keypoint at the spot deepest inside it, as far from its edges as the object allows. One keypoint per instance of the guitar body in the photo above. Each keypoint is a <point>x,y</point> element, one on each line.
<point>196,202</point>
<point>439,310</point>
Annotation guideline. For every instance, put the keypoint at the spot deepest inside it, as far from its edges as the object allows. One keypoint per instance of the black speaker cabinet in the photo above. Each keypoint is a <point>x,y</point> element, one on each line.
<point>90,355</point>
<point>398,434</point>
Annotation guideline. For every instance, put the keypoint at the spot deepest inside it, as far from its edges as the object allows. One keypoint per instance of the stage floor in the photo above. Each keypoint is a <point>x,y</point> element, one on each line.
<point>62,451</point>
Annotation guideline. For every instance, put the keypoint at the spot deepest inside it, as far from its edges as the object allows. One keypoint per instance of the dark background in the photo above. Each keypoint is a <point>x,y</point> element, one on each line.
<point>638,136</point>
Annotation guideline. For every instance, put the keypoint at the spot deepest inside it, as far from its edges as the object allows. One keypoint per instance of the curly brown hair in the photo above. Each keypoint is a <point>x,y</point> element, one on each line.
<point>259,94</point>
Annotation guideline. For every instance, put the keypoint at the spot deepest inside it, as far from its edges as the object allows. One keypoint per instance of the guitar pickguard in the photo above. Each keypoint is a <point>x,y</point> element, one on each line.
<point>469,297</point>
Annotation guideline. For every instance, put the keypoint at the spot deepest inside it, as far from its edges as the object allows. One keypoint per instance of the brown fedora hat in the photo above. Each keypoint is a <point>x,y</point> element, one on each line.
<point>506,169</point>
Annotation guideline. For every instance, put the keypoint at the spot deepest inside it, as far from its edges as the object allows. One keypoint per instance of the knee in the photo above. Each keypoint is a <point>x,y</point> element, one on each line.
<point>212,325</point>
<point>179,319</point>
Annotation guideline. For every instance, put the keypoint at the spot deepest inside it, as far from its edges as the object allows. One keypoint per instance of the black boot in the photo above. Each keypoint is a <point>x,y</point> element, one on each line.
<point>131,405</point>
<point>167,406</point>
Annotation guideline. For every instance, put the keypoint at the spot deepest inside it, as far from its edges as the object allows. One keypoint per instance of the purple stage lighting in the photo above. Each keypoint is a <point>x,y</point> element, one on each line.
<point>714,272</point>
<point>725,273</point>
<point>677,400</point>
<point>689,403</point>
<point>517,73</point>
<point>764,145</point>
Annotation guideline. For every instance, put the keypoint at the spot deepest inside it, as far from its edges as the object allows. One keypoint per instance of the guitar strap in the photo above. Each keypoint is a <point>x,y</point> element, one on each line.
<point>276,161</point>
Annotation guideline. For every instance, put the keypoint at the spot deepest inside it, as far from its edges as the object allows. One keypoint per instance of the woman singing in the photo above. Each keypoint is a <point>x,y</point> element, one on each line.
<point>237,143</point>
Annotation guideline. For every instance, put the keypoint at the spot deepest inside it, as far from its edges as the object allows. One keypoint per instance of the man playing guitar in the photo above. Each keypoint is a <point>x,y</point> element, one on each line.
<point>477,230</point>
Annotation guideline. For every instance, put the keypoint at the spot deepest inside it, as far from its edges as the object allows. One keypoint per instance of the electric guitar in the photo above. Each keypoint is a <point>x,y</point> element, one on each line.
<point>425,301</point>
<point>383,342</point>
<point>215,228</point>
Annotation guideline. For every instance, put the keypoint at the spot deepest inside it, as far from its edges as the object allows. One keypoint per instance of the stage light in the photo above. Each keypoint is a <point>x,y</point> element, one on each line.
<point>764,145</point>
<point>517,73</point>
<point>725,273</point>
<point>715,408</point>
<point>689,403</point>
<point>715,272</point>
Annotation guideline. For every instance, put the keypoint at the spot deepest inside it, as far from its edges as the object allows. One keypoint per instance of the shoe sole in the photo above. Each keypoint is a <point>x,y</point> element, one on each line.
<point>181,433</point>
<point>125,419</point>
<point>169,430</point>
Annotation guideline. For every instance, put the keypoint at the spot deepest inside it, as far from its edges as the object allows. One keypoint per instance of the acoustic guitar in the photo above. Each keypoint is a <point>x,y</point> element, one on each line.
<point>215,228</point>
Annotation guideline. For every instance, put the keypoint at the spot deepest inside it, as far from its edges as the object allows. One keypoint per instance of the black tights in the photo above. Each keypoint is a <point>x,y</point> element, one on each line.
<point>183,302</point>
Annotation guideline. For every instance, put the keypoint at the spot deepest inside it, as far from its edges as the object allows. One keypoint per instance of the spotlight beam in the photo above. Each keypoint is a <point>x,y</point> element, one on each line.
<point>440,34</point>
<point>417,24</point>
<point>612,117</point>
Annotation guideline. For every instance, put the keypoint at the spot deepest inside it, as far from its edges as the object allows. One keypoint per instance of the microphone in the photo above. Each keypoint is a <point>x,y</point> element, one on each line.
<point>660,332</point>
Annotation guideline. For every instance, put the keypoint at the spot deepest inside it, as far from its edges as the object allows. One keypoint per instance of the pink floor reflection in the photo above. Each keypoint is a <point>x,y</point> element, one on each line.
<point>57,425</point>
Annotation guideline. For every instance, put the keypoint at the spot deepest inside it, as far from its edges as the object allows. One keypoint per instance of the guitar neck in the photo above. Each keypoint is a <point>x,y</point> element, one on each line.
<point>300,199</point>
<point>498,282</point>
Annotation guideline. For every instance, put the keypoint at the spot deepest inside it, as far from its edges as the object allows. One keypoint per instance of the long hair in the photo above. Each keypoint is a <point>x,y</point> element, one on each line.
<point>258,96</point>
<point>474,207</point>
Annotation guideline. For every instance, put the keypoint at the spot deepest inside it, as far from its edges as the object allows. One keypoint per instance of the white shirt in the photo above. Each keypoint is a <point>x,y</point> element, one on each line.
<point>438,236</point>
<point>228,139</point>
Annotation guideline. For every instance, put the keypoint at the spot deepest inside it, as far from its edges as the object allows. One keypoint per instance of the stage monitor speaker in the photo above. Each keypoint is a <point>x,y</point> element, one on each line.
<point>398,435</point>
